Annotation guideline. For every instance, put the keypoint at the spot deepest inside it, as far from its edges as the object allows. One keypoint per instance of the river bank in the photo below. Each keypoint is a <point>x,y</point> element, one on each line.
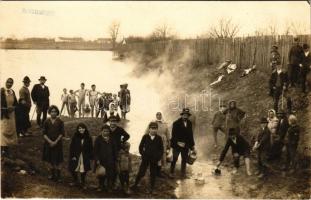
<point>34,183</point>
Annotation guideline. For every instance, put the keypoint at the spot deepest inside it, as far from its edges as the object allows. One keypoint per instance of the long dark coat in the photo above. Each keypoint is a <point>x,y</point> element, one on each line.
<point>180,133</point>
<point>41,96</point>
<point>76,148</point>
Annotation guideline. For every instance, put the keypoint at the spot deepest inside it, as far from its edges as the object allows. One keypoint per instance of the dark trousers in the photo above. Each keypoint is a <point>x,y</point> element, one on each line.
<point>277,94</point>
<point>41,110</point>
<point>215,131</point>
<point>262,160</point>
<point>75,177</point>
<point>22,119</point>
<point>184,156</point>
<point>142,171</point>
<point>236,160</point>
<point>304,74</point>
<point>124,177</point>
<point>293,73</point>
<point>291,150</point>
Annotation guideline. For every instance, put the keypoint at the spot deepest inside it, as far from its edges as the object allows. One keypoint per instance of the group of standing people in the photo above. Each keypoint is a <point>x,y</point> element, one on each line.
<point>100,104</point>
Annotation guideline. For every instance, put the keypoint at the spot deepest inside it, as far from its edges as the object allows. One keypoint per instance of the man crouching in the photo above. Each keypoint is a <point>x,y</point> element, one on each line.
<point>239,147</point>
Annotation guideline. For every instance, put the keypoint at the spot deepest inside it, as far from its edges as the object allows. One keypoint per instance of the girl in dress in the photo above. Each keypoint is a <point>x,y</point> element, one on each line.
<point>80,154</point>
<point>53,132</point>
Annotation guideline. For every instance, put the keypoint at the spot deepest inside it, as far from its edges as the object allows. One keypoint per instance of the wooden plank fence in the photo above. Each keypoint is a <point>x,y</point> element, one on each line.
<point>214,51</point>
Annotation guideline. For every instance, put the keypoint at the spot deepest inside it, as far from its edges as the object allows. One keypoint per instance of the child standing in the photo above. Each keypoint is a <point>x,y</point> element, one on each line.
<point>65,102</point>
<point>80,154</point>
<point>151,150</point>
<point>105,155</point>
<point>218,123</point>
<point>53,131</point>
<point>292,141</point>
<point>72,103</point>
<point>124,166</point>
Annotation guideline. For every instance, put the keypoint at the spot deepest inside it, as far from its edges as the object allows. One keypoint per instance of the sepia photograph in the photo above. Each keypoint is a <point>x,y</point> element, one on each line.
<point>155,99</point>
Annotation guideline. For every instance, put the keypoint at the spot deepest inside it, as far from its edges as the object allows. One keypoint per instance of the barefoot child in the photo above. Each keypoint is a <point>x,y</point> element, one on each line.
<point>65,102</point>
<point>53,131</point>
<point>124,166</point>
<point>80,154</point>
<point>72,103</point>
<point>105,156</point>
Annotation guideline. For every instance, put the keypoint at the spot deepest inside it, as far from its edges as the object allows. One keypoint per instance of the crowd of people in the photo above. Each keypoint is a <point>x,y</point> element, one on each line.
<point>108,156</point>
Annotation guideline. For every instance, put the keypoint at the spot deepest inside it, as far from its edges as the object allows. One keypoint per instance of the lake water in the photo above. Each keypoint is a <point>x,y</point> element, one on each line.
<point>67,69</point>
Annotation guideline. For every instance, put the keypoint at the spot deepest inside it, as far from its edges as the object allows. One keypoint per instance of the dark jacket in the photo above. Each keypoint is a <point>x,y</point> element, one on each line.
<point>119,136</point>
<point>233,117</point>
<point>241,147</point>
<point>282,128</point>
<point>219,119</point>
<point>24,94</point>
<point>295,55</point>
<point>263,139</point>
<point>151,150</point>
<point>180,133</point>
<point>4,107</point>
<point>293,135</point>
<point>105,152</point>
<point>273,79</point>
<point>40,95</point>
<point>76,148</point>
<point>306,62</point>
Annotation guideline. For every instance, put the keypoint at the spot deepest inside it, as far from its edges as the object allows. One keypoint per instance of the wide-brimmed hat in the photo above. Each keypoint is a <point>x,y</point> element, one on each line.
<point>263,120</point>
<point>185,111</point>
<point>26,79</point>
<point>42,78</point>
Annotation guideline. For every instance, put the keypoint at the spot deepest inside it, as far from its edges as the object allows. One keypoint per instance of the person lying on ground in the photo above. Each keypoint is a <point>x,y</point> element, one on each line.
<point>239,147</point>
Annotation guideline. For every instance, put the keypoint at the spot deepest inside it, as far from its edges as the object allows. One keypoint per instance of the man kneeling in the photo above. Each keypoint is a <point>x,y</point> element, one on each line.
<point>239,147</point>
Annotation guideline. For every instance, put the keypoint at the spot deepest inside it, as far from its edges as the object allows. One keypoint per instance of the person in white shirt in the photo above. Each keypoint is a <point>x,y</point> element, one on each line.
<point>82,92</point>
<point>65,102</point>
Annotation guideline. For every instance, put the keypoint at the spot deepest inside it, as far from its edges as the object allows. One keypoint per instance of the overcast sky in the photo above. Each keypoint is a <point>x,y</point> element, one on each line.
<point>189,19</point>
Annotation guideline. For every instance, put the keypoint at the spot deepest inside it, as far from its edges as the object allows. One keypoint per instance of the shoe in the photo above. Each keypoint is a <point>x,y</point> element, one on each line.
<point>235,171</point>
<point>261,175</point>
<point>171,175</point>
<point>72,184</point>
<point>249,173</point>
<point>21,135</point>
<point>99,189</point>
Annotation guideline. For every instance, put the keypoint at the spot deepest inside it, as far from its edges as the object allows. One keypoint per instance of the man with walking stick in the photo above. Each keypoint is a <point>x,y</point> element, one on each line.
<point>40,95</point>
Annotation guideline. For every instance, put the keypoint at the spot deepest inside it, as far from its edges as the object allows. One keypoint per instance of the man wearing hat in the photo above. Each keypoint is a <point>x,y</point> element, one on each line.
<point>218,123</point>
<point>40,95</point>
<point>263,146</point>
<point>182,140</point>
<point>275,57</point>
<point>118,135</point>
<point>239,147</point>
<point>295,57</point>
<point>278,86</point>
<point>151,151</point>
<point>23,110</point>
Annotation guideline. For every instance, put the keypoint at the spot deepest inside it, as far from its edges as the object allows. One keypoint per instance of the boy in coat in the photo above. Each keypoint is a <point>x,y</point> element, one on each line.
<point>151,151</point>
<point>182,141</point>
<point>239,147</point>
<point>263,145</point>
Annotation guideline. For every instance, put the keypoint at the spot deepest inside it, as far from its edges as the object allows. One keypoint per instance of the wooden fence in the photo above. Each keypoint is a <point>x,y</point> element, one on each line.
<point>214,51</point>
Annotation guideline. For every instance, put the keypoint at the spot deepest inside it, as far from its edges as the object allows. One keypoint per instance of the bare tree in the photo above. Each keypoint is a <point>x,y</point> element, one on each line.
<point>224,28</point>
<point>114,32</point>
<point>162,32</point>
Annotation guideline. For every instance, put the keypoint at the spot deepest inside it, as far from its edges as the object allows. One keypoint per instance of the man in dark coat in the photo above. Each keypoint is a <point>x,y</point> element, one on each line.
<point>151,150</point>
<point>278,85</point>
<point>305,67</point>
<point>263,146</point>
<point>234,116</point>
<point>295,57</point>
<point>182,140</point>
<point>239,147</point>
<point>40,95</point>
<point>118,135</point>
<point>23,108</point>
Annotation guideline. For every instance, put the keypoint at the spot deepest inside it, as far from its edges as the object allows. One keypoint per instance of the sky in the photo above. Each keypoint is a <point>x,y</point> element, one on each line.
<point>91,20</point>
